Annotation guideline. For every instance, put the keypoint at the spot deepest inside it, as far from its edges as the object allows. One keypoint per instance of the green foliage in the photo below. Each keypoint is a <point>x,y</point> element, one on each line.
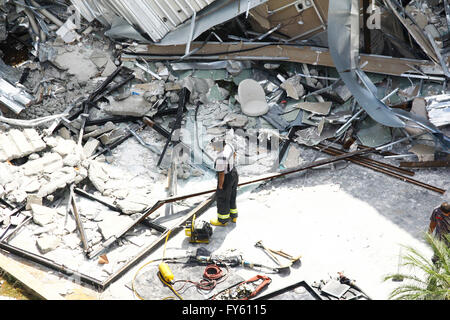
<point>435,284</point>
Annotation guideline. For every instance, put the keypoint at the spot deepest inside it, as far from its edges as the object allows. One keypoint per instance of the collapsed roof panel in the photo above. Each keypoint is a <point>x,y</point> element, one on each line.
<point>157,18</point>
<point>343,38</point>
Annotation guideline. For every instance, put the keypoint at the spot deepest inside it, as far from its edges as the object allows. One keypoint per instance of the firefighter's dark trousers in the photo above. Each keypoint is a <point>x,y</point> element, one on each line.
<point>226,197</point>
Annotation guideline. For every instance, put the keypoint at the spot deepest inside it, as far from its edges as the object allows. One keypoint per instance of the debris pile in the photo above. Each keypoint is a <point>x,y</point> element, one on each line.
<point>107,109</point>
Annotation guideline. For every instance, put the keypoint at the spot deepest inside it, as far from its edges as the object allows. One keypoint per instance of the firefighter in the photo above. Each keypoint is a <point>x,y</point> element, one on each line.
<point>227,182</point>
<point>440,223</point>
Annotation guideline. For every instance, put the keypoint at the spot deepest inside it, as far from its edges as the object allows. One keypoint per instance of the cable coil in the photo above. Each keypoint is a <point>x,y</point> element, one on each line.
<point>213,272</point>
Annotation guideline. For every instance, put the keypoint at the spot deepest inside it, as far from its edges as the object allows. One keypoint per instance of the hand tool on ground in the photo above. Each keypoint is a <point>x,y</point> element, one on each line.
<point>203,256</point>
<point>271,253</point>
<point>259,244</point>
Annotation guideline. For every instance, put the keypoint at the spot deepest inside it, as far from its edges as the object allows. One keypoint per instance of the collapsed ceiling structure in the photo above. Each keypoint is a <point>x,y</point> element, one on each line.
<point>79,78</point>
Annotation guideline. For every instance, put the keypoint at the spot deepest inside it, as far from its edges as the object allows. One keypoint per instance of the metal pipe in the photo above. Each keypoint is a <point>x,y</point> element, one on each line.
<point>47,14</point>
<point>94,198</point>
<point>32,19</point>
<point>74,210</point>
<point>16,230</point>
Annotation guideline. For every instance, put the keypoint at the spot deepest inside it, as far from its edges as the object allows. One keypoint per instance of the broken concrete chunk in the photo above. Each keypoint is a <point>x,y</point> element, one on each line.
<point>90,147</point>
<point>30,185</point>
<point>98,175</point>
<point>33,199</point>
<point>111,225</point>
<point>64,147</point>
<point>112,136</point>
<point>293,158</point>
<point>57,181</point>
<point>134,105</point>
<point>17,196</point>
<point>48,163</point>
<point>217,93</point>
<point>42,215</point>
<point>18,144</point>
<point>99,58</point>
<point>130,207</point>
<point>72,62</point>
<point>64,133</point>
<point>7,173</point>
<point>72,241</point>
<point>238,121</point>
<point>109,68</point>
<point>72,160</point>
<point>109,126</point>
<point>48,243</point>
<point>67,31</point>
<point>172,86</point>
<point>293,87</point>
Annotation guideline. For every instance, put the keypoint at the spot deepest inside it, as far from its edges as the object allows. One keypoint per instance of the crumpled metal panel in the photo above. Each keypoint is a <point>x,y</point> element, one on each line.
<point>16,99</point>
<point>217,13</point>
<point>343,40</point>
<point>156,18</point>
<point>438,108</point>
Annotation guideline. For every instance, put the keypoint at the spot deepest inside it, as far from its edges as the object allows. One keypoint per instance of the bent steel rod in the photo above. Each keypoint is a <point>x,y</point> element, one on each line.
<point>390,173</point>
<point>371,161</point>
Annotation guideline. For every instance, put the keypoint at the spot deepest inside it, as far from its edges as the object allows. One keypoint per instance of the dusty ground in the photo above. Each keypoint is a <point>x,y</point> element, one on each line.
<point>351,219</point>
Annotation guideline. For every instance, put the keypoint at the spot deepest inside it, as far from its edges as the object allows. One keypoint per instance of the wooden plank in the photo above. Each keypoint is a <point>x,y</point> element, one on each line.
<point>309,55</point>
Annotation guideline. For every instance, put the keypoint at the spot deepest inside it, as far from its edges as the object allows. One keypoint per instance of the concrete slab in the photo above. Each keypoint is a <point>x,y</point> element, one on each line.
<point>16,144</point>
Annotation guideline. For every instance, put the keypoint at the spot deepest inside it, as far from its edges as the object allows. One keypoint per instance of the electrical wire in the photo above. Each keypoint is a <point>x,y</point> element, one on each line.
<point>146,264</point>
<point>209,281</point>
<point>134,278</point>
<point>165,244</point>
<point>169,286</point>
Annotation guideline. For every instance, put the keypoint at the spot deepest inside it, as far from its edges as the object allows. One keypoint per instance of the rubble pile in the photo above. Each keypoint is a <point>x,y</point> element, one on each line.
<point>120,100</point>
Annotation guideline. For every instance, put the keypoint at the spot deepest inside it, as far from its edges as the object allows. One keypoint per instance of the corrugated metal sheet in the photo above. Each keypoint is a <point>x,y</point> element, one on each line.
<point>156,18</point>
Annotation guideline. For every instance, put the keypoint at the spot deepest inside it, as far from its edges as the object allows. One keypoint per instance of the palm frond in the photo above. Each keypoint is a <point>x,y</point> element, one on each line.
<point>434,284</point>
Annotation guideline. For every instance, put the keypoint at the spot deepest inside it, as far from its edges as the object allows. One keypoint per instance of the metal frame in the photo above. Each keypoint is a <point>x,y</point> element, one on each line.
<point>303,284</point>
<point>98,284</point>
